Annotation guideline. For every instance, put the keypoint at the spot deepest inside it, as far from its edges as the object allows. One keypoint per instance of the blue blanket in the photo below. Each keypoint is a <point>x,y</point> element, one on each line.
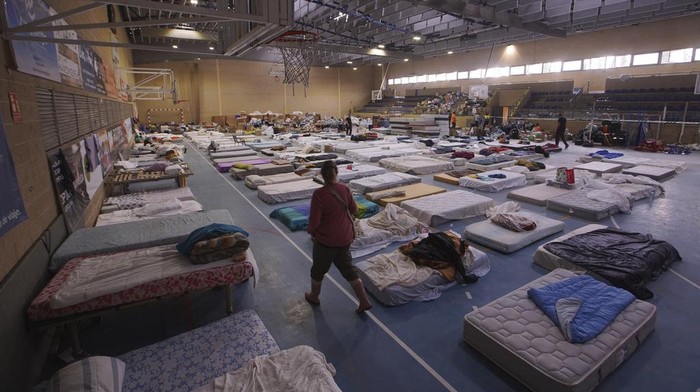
<point>606,154</point>
<point>581,306</point>
<point>206,233</point>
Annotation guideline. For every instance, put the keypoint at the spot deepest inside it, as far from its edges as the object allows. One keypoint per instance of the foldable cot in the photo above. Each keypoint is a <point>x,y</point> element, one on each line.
<point>654,172</point>
<point>133,235</point>
<point>412,191</point>
<point>485,183</point>
<point>253,181</point>
<point>263,169</point>
<point>600,167</point>
<point>536,194</point>
<point>382,182</point>
<point>287,191</point>
<point>416,164</point>
<point>123,179</point>
<point>409,282</point>
<point>443,207</point>
<point>517,336</point>
<point>507,241</point>
<point>578,204</point>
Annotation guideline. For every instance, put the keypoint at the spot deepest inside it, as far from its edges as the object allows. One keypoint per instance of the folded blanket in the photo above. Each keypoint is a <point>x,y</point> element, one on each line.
<point>581,306</point>
<point>514,222</point>
<point>205,233</point>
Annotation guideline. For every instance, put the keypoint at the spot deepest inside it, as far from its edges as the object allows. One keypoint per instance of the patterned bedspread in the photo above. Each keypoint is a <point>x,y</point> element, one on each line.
<point>297,217</point>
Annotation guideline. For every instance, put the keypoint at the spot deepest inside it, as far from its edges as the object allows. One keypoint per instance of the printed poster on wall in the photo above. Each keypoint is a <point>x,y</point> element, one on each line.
<point>119,78</point>
<point>72,203</point>
<point>12,211</point>
<point>92,167</point>
<point>36,58</point>
<point>89,67</point>
<point>105,150</point>
<point>68,57</point>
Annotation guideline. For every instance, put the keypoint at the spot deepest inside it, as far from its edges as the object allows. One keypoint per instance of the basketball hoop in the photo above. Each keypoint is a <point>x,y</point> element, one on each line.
<point>297,49</point>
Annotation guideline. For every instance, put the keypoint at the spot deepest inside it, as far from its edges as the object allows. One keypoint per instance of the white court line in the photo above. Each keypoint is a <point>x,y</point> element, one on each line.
<point>475,308</point>
<point>381,325</point>
<point>469,295</point>
<point>684,278</point>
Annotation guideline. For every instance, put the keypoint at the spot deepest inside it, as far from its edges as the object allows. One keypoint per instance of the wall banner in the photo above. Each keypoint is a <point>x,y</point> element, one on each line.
<point>12,211</point>
<point>67,172</point>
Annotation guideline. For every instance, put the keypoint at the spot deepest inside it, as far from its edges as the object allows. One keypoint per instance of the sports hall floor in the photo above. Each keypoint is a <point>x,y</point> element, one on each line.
<point>418,346</point>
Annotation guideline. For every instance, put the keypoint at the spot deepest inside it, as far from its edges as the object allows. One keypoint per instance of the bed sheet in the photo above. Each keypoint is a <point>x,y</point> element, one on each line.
<point>253,181</point>
<point>491,162</point>
<point>287,191</point>
<point>550,261</point>
<point>382,182</point>
<point>149,211</point>
<point>453,205</point>
<point>222,346</point>
<point>139,199</point>
<point>529,175</point>
<point>511,180</point>
<point>417,165</point>
<point>389,225</point>
<point>507,241</point>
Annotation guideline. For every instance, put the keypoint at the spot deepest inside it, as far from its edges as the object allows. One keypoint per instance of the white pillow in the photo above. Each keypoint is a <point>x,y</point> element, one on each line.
<point>91,374</point>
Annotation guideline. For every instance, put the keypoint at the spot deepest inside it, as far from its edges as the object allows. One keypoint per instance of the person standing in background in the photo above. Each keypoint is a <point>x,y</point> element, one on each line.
<point>453,124</point>
<point>332,230</point>
<point>348,120</point>
<point>561,131</point>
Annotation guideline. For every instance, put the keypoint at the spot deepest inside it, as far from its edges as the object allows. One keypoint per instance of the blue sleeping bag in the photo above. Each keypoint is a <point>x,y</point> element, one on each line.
<point>581,306</point>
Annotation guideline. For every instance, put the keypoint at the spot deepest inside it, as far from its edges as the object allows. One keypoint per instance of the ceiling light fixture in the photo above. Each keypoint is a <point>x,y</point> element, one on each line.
<point>174,46</point>
<point>405,59</point>
<point>380,46</point>
<point>450,52</point>
<point>379,65</point>
<point>354,68</point>
<point>326,67</point>
<point>416,38</point>
<point>349,62</point>
<point>194,2</point>
<point>211,48</point>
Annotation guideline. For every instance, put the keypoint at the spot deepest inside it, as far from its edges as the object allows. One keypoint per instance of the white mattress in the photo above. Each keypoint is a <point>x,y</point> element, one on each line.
<point>139,199</point>
<point>550,261</point>
<point>358,171</point>
<point>676,165</point>
<point>417,164</point>
<point>230,154</point>
<point>415,283</point>
<point>536,194</point>
<point>529,175</point>
<point>236,159</point>
<point>492,166</point>
<point>344,147</point>
<point>279,193</point>
<point>654,172</point>
<point>515,334</point>
<point>627,161</point>
<point>576,203</point>
<point>149,211</point>
<point>382,181</point>
<point>600,167</point>
<point>375,154</point>
<point>443,207</point>
<point>396,224</point>
<point>508,241</point>
<point>496,184</point>
<point>253,181</point>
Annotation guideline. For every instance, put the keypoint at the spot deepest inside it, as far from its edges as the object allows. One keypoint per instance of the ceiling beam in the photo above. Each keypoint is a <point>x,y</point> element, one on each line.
<point>188,9</point>
<point>135,23</point>
<point>488,13</point>
<point>337,48</point>
<point>61,15</point>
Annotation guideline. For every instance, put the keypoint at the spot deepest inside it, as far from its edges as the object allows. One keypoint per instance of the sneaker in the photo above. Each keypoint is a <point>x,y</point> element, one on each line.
<point>567,146</point>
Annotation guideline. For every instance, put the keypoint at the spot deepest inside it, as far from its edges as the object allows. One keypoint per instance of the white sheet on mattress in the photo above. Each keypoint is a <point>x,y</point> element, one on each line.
<point>417,164</point>
<point>254,181</point>
<point>391,224</point>
<point>493,184</point>
<point>453,205</point>
<point>133,200</point>
<point>295,190</point>
<point>358,171</point>
<point>112,273</point>
<point>529,175</point>
<point>148,211</point>
<point>382,181</point>
<point>600,167</point>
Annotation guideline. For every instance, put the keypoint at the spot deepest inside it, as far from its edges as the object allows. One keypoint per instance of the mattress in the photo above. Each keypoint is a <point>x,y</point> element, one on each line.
<point>416,164</point>
<point>344,147</point>
<point>488,184</point>
<point>226,146</point>
<point>222,346</point>
<point>348,173</point>
<point>482,164</point>
<point>443,207</point>
<point>253,181</point>
<point>550,261</point>
<point>507,241</point>
<point>429,287</point>
<point>600,167</point>
<point>392,224</point>
<point>412,191</point>
<point>149,211</point>
<point>261,170</point>
<point>232,154</point>
<point>382,182</point>
<point>516,335</point>
<point>139,199</point>
<point>529,175</point>
<point>536,194</point>
<point>627,161</point>
<point>375,154</point>
<point>134,235</point>
<point>654,172</point>
<point>287,191</point>
<point>577,204</point>
<point>452,177</point>
<point>297,217</point>
<point>232,160</point>
<point>263,145</point>
<point>225,167</point>
<point>41,308</point>
<point>676,165</point>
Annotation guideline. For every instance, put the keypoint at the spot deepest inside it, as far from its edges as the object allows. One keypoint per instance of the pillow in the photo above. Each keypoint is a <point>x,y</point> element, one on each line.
<point>219,248</point>
<point>213,230</point>
<point>90,374</point>
<point>244,166</point>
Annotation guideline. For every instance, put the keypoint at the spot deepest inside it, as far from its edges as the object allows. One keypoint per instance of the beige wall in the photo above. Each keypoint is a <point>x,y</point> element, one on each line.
<point>673,34</point>
<point>227,87</point>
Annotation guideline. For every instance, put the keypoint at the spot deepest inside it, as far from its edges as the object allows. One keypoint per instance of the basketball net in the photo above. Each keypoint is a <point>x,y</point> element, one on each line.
<point>297,55</point>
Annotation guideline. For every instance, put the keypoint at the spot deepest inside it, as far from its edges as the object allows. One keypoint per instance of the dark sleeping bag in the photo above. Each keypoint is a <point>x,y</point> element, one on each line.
<point>626,260</point>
